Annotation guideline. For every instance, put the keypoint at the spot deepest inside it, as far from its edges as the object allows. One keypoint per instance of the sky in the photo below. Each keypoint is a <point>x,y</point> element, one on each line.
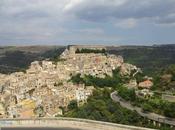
<point>107,22</point>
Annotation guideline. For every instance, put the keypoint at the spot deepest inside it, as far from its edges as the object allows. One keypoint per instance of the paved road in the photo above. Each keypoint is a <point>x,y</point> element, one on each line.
<point>151,116</point>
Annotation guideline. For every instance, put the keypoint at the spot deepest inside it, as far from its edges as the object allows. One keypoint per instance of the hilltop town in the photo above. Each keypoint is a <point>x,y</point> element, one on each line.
<point>45,87</point>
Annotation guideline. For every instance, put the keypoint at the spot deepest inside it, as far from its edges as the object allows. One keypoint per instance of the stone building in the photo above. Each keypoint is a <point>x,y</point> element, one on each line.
<point>46,84</point>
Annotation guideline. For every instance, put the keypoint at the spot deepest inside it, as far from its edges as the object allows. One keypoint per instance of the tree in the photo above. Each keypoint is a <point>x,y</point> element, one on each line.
<point>170,110</point>
<point>85,50</point>
<point>77,51</point>
<point>77,79</point>
<point>127,94</point>
<point>73,105</point>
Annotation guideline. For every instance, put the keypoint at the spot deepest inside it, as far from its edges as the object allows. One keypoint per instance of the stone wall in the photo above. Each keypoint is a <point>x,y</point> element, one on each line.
<point>81,124</point>
<point>169,98</point>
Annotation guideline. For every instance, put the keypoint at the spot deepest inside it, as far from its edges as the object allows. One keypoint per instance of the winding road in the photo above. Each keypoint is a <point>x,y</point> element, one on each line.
<point>151,116</point>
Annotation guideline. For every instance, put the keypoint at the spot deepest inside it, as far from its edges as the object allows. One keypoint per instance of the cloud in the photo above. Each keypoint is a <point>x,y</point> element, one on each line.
<point>71,4</point>
<point>88,20</point>
<point>92,31</point>
<point>126,23</point>
<point>31,20</point>
<point>104,10</point>
<point>166,20</point>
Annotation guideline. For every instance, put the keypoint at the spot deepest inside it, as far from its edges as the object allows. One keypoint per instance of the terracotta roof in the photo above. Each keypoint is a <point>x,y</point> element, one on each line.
<point>146,84</point>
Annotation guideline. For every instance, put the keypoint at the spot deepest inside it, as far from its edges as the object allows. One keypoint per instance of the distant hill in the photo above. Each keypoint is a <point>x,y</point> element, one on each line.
<point>14,59</point>
<point>150,58</point>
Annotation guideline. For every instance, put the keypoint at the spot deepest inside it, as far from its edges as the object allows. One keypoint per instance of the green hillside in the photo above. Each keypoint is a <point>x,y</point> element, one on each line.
<point>14,59</point>
<point>149,58</point>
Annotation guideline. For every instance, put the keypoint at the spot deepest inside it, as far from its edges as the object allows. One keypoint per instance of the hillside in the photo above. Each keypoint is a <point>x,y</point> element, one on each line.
<point>14,59</point>
<point>91,72</point>
<point>149,58</point>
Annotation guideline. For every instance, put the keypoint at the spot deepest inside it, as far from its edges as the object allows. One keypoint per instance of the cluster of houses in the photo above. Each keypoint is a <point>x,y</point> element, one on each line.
<point>45,87</point>
<point>142,88</point>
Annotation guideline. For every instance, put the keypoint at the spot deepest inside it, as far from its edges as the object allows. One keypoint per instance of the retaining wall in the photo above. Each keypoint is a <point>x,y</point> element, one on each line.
<point>81,124</point>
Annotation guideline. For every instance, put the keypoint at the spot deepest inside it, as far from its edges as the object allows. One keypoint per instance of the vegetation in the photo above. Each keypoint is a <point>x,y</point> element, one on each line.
<point>90,51</point>
<point>169,110</point>
<point>54,55</point>
<point>13,60</point>
<point>90,80</point>
<point>147,107</point>
<point>155,104</point>
<point>73,105</point>
<point>101,107</point>
<point>127,94</point>
<point>165,79</point>
<point>151,59</point>
<point>16,61</point>
<point>58,84</point>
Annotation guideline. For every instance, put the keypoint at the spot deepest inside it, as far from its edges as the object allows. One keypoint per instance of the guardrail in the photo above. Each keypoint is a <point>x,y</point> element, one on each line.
<point>62,122</point>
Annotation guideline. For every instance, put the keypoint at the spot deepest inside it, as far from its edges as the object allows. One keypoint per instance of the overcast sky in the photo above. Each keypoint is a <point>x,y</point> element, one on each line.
<point>25,22</point>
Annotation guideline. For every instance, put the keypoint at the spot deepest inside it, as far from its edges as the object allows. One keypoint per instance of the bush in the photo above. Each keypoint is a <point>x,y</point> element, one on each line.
<point>73,105</point>
<point>170,110</point>
<point>127,94</point>
<point>146,107</point>
<point>108,81</point>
